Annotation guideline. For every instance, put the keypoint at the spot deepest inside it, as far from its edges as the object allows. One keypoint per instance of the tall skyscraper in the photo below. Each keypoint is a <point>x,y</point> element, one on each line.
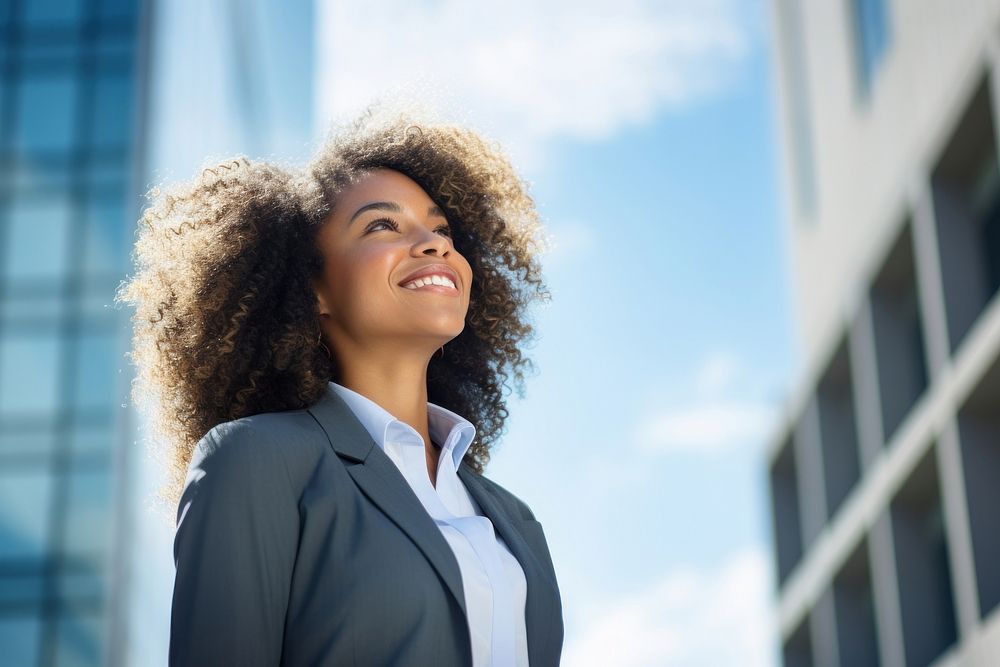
<point>99,100</point>
<point>883,472</point>
<point>71,124</point>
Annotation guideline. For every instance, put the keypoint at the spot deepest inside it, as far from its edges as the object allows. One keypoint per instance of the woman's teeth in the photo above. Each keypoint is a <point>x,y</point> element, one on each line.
<point>430,280</point>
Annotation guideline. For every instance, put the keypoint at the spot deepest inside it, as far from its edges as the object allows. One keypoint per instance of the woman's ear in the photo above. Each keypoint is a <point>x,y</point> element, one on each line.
<point>321,302</point>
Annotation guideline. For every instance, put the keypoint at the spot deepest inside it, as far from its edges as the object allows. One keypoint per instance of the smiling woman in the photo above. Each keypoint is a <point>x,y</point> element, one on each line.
<point>326,350</point>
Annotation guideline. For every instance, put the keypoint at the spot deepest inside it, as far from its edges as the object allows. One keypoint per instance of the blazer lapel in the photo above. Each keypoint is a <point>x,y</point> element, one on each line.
<point>380,480</point>
<point>541,601</point>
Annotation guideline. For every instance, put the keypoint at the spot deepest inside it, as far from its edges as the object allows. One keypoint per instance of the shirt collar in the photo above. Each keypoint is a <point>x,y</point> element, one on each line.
<point>450,430</point>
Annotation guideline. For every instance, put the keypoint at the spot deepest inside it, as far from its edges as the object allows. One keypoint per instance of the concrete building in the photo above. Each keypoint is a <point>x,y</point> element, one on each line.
<point>884,469</point>
<point>99,99</point>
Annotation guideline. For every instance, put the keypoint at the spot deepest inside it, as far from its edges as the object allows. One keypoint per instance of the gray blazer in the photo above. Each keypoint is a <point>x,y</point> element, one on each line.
<point>300,543</point>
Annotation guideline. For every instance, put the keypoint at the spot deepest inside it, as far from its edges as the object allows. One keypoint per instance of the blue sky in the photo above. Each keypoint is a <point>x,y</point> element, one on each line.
<point>646,132</point>
<point>666,351</point>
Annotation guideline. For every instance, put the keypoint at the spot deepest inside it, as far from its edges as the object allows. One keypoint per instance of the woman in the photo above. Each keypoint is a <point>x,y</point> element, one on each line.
<point>329,351</point>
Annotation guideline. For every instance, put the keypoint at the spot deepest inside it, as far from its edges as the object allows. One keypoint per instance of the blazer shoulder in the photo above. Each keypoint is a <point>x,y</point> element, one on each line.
<point>265,442</point>
<point>518,507</point>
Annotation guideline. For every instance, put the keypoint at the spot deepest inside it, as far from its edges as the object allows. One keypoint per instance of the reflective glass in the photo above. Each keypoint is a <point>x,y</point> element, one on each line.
<point>107,174</point>
<point>119,9</point>
<point>25,500</point>
<point>96,370</point>
<point>54,53</point>
<point>88,520</point>
<point>52,11</point>
<point>97,299</point>
<point>29,375</point>
<point>90,438</point>
<point>115,46</point>
<point>46,112</point>
<point>105,250</point>
<point>20,587</point>
<point>872,26</point>
<point>81,638</point>
<point>112,119</point>
<point>38,236</point>
<point>44,306</point>
<point>83,581</point>
<point>31,173</point>
<point>25,441</point>
<point>19,637</point>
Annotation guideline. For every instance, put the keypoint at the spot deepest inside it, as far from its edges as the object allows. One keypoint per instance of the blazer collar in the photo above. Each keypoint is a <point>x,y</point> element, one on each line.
<point>379,479</point>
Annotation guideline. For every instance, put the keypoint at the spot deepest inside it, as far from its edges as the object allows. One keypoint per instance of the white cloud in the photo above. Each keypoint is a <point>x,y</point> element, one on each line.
<point>529,71</point>
<point>717,373</point>
<point>690,616</point>
<point>705,427</point>
<point>723,411</point>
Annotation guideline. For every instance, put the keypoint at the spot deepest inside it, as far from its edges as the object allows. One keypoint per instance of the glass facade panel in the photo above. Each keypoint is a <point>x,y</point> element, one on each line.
<point>104,242</point>
<point>93,437</point>
<point>80,638</point>
<point>20,638</point>
<point>29,370</point>
<point>45,114</point>
<point>871,25</point>
<point>52,11</point>
<point>25,502</point>
<point>112,126</point>
<point>38,174</point>
<point>95,370</point>
<point>38,237</point>
<point>117,10</point>
<point>88,513</point>
<point>36,441</point>
<point>40,306</point>
<point>20,585</point>
<point>83,580</point>
<point>68,132</point>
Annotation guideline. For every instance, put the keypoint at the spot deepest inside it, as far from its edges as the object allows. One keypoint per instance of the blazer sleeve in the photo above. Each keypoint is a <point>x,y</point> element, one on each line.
<point>234,551</point>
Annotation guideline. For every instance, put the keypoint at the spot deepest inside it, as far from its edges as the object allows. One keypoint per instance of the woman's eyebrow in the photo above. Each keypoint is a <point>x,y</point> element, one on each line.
<point>392,206</point>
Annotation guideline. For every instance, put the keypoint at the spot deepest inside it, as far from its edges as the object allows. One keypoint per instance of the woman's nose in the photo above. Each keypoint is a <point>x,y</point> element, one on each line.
<point>431,241</point>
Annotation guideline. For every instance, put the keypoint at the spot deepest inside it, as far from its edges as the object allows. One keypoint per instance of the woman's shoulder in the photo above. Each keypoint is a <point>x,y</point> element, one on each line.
<point>263,443</point>
<point>520,508</point>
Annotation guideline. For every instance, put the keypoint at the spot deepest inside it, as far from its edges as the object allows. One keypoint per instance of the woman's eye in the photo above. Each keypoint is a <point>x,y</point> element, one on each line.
<point>382,221</point>
<point>446,229</point>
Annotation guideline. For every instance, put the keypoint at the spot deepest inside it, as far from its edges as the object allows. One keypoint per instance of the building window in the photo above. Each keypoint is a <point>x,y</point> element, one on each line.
<point>794,66</point>
<point>871,39</point>
<point>966,188</point>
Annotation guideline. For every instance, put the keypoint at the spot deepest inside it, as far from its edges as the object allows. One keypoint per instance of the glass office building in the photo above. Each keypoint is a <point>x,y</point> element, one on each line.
<point>71,92</point>
<point>99,99</point>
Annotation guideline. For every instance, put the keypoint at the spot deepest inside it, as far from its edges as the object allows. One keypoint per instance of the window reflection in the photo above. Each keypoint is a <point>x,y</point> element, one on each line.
<point>29,381</point>
<point>25,500</point>
<point>112,109</point>
<point>105,250</point>
<point>20,639</point>
<point>80,637</point>
<point>40,12</point>
<point>38,237</point>
<point>87,522</point>
<point>45,116</point>
<point>96,370</point>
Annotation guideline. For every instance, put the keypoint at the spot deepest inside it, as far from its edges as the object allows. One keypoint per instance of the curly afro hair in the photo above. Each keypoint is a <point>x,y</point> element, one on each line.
<point>226,322</point>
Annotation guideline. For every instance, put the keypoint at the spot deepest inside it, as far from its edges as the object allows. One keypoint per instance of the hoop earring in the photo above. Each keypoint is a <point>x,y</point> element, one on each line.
<point>441,350</point>
<point>319,340</point>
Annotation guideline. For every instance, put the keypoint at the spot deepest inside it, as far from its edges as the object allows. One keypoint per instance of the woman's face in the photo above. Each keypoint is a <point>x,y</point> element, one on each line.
<point>383,230</point>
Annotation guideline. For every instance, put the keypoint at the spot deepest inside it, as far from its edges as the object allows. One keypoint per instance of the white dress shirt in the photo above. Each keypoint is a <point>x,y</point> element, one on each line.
<point>493,581</point>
